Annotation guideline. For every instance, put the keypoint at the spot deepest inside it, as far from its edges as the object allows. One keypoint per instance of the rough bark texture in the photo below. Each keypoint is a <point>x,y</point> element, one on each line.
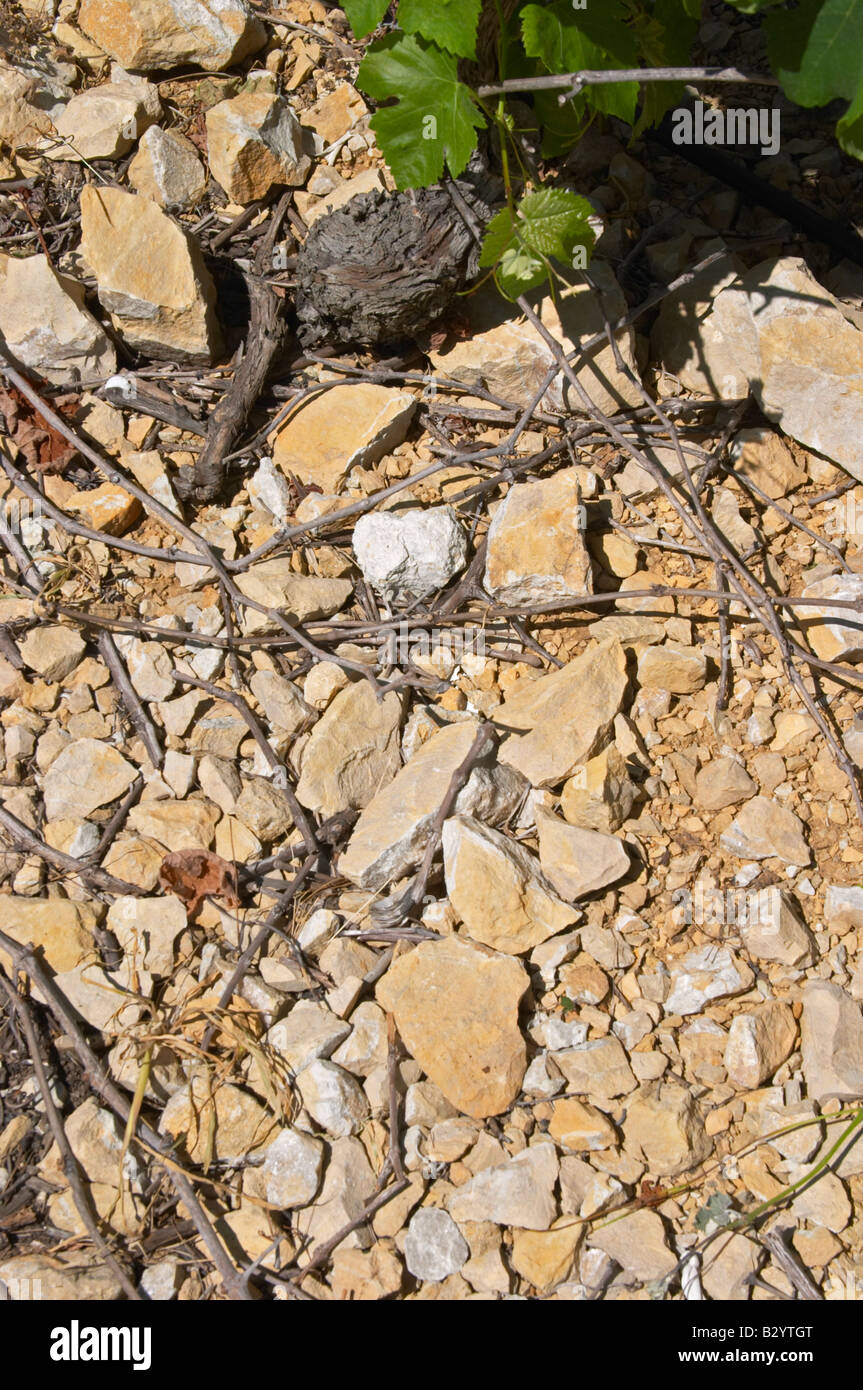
<point>384,266</point>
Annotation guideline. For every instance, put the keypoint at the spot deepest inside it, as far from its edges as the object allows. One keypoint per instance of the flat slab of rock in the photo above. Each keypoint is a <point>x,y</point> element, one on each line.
<point>344,428</point>
<point>765,830</point>
<point>86,775</point>
<point>411,554</point>
<point>832,1042</point>
<point>352,751</point>
<point>150,275</point>
<point>578,862</point>
<point>509,357</point>
<point>519,1192</point>
<point>158,34</point>
<point>598,1069</point>
<point>44,323</point>
<point>834,633</point>
<point>771,929</point>
<point>536,549</point>
<point>456,1008</point>
<point>681,670</point>
<point>392,832</point>
<point>567,715</point>
<point>434,1245</point>
<point>498,890</point>
<point>62,929</point>
<point>298,596</point>
<point>722,782</point>
<point>758,1044</point>
<point>667,1128</point>
<point>709,972</point>
<point>105,121</point>
<point>638,1245</point>
<point>254,141</point>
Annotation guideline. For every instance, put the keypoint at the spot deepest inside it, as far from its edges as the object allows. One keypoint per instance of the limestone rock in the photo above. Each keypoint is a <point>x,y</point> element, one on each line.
<point>727,1267</point>
<point>708,972</point>
<point>682,670</point>
<point>254,142</point>
<point>151,276</point>
<point>147,928</point>
<point>167,169</point>
<point>566,715</point>
<point>598,1069</point>
<point>292,1169</point>
<point>309,1032</point>
<point>283,705</point>
<point>44,325</point>
<point>832,1042</point>
<point>392,832</point>
<point>352,751</point>
<point>160,34</point>
<point>434,1245</point>
<point>580,1127</point>
<point>600,795</point>
<point>722,782</point>
<point>519,1192</point>
<point>349,1183</point>
<point>496,887</point>
<point>79,1278</point>
<point>60,928</point>
<point>578,862</point>
<point>771,929</point>
<point>104,122</point>
<point>835,634</point>
<point>335,113</point>
<point>536,551</point>
<point>188,824</point>
<point>86,775</point>
<point>763,457</point>
<point>546,1258</point>
<point>843,906</point>
<point>667,1128</point>
<point>107,507</point>
<point>456,1008</point>
<point>333,1098</point>
<point>638,1245</point>
<point>52,652</point>
<point>763,830</point>
<point>758,1044</point>
<point>340,429</point>
<point>24,108</point>
<point>238,1123</point>
<point>298,596</point>
<point>410,554</point>
<point>263,809</point>
<point>511,359</point>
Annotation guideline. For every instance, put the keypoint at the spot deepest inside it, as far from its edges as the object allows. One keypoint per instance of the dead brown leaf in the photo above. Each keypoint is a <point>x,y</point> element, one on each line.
<point>195,874</point>
<point>42,447</point>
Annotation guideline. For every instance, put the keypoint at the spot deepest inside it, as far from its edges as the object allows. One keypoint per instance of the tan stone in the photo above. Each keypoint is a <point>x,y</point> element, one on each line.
<point>546,1258</point>
<point>203,1113</point>
<point>106,508</point>
<point>150,275</point>
<point>23,122</point>
<point>599,796</point>
<point>575,861</point>
<point>392,832</point>
<point>579,1127</point>
<point>682,670</point>
<point>53,652</point>
<point>160,34</point>
<point>638,1245</point>
<point>61,929</point>
<point>456,1009</point>
<point>498,890</point>
<point>536,551</point>
<point>598,1069</point>
<point>168,169</point>
<point>352,752</point>
<point>722,782</point>
<point>834,633</point>
<point>146,929</point>
<point>666,1126</point>
<point>763,829</point>
<point>567,715</point>
<point>254,142</point>
<point>104,122</point>
<point>298,596</point>
<point>85,775</point>
<point>517,1193</point>
<point>763,457</point>
<point>334,113</point>
<point>831,1042</point>
<point>340,429</point>
<point>188,824</point>
<point>758,1044</point>
<point>45,325</point>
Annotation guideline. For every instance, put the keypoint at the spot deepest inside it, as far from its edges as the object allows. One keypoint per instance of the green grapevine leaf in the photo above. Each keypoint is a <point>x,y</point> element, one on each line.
<point>451,24</point>
<point>567,40</point>
<point>519,241</point>
<point>817,54</point>
<point>664,40</point>
<point>365,15</point>
<point>436,118</point>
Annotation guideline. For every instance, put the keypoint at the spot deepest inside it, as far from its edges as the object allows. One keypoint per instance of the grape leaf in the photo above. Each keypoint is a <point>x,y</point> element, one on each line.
<point>567,40</point>
<point>519,241</point>
<point>451,24</point>
<point>819,56</point>
<point>365,15</point>
<point>436,118</point>
<point>664,41</point>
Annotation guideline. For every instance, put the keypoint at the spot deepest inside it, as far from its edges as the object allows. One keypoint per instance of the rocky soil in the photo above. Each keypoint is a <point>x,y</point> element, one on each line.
<point>431,862</point>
